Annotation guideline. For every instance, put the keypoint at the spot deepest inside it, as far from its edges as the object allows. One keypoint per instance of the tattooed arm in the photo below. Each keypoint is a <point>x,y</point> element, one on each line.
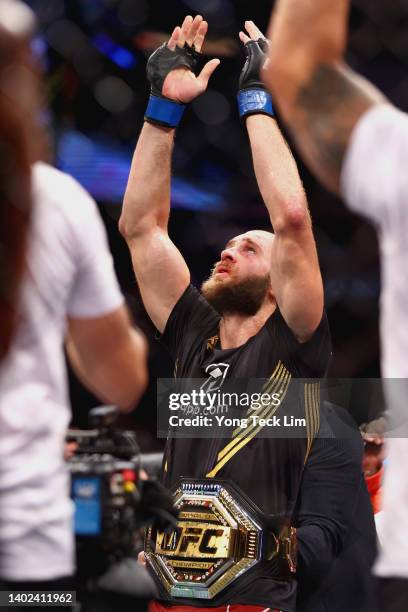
<point>320,98</point>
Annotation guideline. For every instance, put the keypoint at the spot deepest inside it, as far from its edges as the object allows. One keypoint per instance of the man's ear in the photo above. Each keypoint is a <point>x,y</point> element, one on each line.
<point>271,294</point>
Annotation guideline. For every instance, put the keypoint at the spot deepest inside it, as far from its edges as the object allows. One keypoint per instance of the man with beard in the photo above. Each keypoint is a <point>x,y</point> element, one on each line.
<point>259,315</point>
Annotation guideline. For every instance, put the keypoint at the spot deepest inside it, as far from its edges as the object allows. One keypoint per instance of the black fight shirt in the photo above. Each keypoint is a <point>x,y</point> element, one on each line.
<point>268,470</point>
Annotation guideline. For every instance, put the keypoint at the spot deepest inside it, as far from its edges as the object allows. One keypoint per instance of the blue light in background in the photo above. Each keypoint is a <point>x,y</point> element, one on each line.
<point>103,168</point>
<point>117,54</point>
<point>123,58</point>
<point>39,48</point>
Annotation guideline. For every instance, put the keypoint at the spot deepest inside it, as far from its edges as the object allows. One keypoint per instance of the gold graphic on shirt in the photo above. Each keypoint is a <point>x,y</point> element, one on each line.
<point>280,374</point>
<point>280,377</point>
<point>312,411</point>
<point>211,342</point>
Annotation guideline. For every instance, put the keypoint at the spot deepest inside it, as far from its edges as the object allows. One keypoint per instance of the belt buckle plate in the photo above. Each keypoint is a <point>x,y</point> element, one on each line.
<point>218,538</point>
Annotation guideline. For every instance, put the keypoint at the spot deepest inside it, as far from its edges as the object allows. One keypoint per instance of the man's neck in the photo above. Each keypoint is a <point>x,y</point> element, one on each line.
<point>236,329</point>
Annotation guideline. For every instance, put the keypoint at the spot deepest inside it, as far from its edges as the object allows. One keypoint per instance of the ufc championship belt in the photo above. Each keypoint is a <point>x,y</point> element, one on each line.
<point>220,536</point>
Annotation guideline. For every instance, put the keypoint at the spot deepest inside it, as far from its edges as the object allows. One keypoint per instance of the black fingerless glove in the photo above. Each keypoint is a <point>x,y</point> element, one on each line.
<point>253,98</point>
<point>161,110</point>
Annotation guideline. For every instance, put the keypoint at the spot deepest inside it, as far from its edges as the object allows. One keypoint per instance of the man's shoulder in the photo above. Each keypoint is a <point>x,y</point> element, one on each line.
<point>193,302</point>
<point>190,320</point>
<point>46,176</point>
<point>373,178</point>
<point>52,187</point>
<point>65,218</point>
<point>310,358</point>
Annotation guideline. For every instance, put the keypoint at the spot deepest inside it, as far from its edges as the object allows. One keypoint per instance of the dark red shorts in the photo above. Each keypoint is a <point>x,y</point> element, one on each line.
<point>155,606</point>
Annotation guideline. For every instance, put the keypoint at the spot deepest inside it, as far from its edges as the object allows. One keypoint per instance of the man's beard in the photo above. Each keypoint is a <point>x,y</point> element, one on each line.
<point>245,297</point>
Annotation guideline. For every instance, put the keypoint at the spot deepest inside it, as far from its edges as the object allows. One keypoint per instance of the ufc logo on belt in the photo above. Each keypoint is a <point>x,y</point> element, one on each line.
<point>194,540</point>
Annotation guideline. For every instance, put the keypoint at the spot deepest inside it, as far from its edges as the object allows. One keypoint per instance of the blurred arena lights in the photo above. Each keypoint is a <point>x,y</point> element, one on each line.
<point>103,167</point>
<point>117,54</point>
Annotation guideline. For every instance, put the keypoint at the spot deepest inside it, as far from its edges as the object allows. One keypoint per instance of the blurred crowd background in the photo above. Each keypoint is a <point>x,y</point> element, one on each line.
<point>94,53</point>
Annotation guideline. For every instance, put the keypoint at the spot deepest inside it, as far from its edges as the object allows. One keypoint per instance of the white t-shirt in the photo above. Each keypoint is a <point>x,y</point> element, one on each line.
<point>375,184</point>
<point>70,272</point>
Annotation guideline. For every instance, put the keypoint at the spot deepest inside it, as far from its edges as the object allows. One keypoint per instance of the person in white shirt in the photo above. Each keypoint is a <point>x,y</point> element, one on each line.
<point>356,143</point>
<point>69,288</point>
<point>69,292</point>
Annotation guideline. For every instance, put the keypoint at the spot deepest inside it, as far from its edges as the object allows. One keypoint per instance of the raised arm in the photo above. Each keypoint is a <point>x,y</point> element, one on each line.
<point>320,98</point>
<point>295,272</point>
<point>160,269</point>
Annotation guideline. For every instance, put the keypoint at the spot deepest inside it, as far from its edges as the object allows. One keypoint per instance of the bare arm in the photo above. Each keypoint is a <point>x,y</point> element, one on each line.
<point>319,97</point>
<point>161,271</point>
<point>295,272</point>
<point>109,357</point>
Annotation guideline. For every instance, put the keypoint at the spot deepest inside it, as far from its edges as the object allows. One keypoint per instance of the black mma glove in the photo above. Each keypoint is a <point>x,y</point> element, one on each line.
<point>253,98</point>
<point>161,110</point>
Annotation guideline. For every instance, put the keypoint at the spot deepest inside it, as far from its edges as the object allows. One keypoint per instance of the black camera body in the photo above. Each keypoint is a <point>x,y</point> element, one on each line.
<point>104,488</point>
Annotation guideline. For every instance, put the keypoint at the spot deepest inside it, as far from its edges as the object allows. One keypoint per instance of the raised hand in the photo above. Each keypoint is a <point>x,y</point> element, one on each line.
<point>253,31</point>
<point>253,99</point>
<point>181,84</point>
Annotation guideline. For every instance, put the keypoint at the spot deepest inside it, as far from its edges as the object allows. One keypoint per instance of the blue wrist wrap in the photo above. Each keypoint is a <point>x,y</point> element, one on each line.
<point>252,101</point>
<point>164,111</point>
